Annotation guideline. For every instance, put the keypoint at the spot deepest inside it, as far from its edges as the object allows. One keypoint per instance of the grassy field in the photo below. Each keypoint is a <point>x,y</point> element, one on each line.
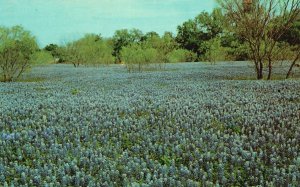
<point>191,124</point>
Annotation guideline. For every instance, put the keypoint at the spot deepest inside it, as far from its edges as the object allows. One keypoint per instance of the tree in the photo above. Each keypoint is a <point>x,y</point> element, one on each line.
<point>16,49</point>
<point>292,36</point>
<point>214,51</point>
<point>189,36</point>
<point>138,57</point>
<point>181,55</point>
<point>89,50</point>
<point>192,33</point>
<point>260,23</point>
<point>164,45</point>
<point>236,48</point>
<point>42,57</point>
<point>72,54</point>
<point>55,51</point>
<point>148,35</point>
<point>123,38</point>
<point>169,43</point>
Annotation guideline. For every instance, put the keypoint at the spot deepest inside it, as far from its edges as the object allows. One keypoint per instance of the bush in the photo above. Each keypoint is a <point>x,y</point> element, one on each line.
<point>42,58</point>
<point>181,55</point>
<point>214,51</point>
<point>89,50</point>
<point>137,57</point>
<point>16,49</point>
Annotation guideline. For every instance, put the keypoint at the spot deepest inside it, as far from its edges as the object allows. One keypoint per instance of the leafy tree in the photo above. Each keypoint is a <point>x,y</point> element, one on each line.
<point>189,36</point>
<point>16,49</point>
<point>149,35</point>
<point>52,49</point>
<point>42,57</point>
<point>211,25</point>
<point>261,23</point>
<point>72,54</point>
<point>168,43</point>
<point>56,52</point>
<point>181,55</point>
<point>138,57</point>
<point>89,50</point>
<point>163,45</point>
<point>214,51</point>
<point>123,38</point>
<point>192,33</point>
<point>236,48</point>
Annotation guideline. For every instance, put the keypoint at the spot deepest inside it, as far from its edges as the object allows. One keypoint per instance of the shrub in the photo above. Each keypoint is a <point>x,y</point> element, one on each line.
<point>16,49</point>
<point>89,50</point>
<point>42,58</point>
<point>137,57</point>
<point>214,51</point>
<point>181,55</point>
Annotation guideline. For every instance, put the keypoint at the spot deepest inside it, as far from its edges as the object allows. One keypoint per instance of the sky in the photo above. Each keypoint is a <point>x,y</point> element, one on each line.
<point>60,21</point>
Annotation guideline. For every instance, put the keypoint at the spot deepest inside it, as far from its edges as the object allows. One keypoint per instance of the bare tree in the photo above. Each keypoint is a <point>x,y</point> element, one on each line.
<point>261,23</point>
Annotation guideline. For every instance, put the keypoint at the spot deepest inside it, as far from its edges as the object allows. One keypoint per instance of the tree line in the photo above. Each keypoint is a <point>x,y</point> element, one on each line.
<point>264,32</point>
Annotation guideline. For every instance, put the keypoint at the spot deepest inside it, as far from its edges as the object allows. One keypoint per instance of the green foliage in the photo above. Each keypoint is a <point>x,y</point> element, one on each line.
<point>148,35</point>
<point>137,57</point>
<point>214,51</point>
<point>188,36</point>
<point>54,50</point>
<point>51,47</point>
<point>262,24</point>
<point>123,38</point>
<point>164,45</point>
<point>292,36</point>
<point>283,51</point>
<point>57,52</point>
<point>192,33</point>
<point>89,50</point>
<point>181,55</point>
<point>237,49</point>
<point>16,49</point>
<point>42,58</point>
<point>155,51</point>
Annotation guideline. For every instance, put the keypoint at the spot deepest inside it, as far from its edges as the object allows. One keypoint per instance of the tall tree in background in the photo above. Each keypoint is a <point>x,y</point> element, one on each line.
<point>261,23</point>
<point>192,33</point>
<point>56,52</point>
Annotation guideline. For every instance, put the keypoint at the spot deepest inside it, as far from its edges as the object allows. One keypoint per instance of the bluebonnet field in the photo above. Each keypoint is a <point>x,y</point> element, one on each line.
<point>188,125</point>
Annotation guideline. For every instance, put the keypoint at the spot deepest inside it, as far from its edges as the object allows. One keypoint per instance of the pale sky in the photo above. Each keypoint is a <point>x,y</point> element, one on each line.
<point>59,21</point>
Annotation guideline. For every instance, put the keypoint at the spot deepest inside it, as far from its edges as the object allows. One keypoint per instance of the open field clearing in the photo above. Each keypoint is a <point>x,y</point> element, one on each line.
<point>191,124</point>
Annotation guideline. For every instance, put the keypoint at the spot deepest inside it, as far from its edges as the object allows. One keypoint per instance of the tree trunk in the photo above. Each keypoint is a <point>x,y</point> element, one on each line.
<point>256,68</point>
<point>76,65</point>
<point>260,71</point>
<point>270,69</point>
<point>292,65</point>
